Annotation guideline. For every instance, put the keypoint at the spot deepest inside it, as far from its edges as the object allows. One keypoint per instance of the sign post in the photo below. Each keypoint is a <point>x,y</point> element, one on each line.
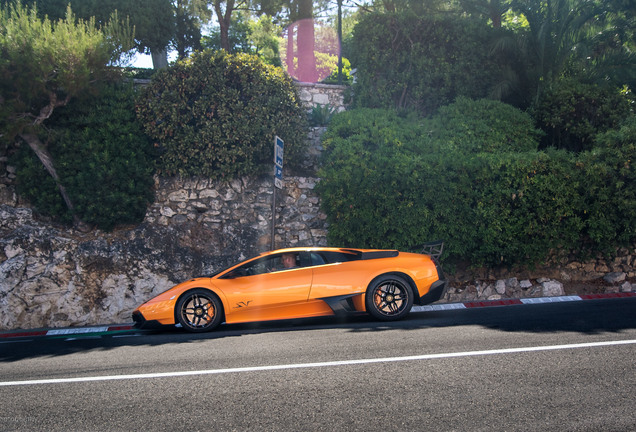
<point>278,183</point>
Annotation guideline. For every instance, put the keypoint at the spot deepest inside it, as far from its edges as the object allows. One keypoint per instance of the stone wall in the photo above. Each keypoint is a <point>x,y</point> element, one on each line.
<point>221,218</point>
<point>312,95</point>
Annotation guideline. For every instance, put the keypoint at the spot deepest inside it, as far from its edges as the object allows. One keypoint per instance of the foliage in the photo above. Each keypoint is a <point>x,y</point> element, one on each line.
<point>238,36</point>
<point>609,187</point>
<point>483,126</point>
<point>216,115</point>
<point>572,113</point>
<point>248,36</point>
<point>154,20</point>
<point>346,71</point>
<point>392,181</point>
<point>574,38</point>
<point>264,39</point>
<point>189,16</point>
<point>138,73</point>
<point>421,63</point>
<point>321,115</point>
<point>44,64</point>
<point>103,158</point>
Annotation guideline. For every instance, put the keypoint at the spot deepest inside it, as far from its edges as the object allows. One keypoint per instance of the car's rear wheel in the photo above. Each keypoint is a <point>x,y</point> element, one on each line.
<point>199,310</point>
<point>389,298</point>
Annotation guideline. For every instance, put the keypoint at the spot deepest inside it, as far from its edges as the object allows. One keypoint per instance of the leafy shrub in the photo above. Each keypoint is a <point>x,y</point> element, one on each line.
<point>320,115</point>
<point>483,126</point>
<point>139,73</point>
<point>572,113</point>
<point>609,188</point>
<point>346,73</point>
<point>216,115</point>
<point>103,158</point>
<point>406,61</point>
<point>392,181</point>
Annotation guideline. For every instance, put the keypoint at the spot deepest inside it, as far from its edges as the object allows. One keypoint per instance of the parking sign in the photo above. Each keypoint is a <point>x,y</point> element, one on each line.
<point>278,162</point>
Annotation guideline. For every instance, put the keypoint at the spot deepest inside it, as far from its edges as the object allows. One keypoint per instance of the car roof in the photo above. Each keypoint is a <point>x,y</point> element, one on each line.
<point>322,249</point>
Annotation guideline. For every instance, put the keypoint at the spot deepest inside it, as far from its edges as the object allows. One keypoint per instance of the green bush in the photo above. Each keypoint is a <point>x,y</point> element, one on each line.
<point>346,78</point>
<point>216,115</point>
<point>573,113</point>
<point>394,181</point>
<point>321,115</point>
<point>405,61</point>
<point>483,126</point>
<point>609,188</point>
<point>103,158</point>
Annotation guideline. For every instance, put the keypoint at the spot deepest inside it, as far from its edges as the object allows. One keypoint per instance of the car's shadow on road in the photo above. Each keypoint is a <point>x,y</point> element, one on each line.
<point>587,317</point>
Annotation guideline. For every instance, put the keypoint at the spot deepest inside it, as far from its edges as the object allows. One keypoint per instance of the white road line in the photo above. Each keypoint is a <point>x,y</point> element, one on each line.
<point>316,365</point>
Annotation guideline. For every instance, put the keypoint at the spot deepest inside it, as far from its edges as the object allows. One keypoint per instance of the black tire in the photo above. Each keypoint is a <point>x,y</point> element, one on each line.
<point>389,298</point>
<point>199,310</point>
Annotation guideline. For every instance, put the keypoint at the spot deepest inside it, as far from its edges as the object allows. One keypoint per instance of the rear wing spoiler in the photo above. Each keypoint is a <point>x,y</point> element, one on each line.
<point>433,248</point>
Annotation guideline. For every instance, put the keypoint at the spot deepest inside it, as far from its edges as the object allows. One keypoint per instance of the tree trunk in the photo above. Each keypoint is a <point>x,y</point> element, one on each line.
<point>306,56</point>
<point>45,157</point>
<point>159,58</point>
<point>224,18</point>
<point>291,68</point>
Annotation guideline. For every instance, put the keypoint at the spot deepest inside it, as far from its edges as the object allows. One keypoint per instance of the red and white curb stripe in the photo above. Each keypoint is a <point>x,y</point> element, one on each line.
<point>510,302</point>
<point>427,308</point>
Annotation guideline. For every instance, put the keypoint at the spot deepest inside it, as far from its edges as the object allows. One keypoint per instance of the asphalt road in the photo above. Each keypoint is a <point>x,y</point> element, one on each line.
<point>564,366</point>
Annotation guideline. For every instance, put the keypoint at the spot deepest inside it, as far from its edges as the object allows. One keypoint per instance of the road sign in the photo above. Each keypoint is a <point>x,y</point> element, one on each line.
<point>278,152</point>
<point>278,183</point>
<point>278,177</point>
<point>278,163</point>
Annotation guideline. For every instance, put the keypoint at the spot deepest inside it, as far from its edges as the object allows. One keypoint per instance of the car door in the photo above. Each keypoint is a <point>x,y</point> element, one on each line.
<point>338,273</point>
<point>264,289</point>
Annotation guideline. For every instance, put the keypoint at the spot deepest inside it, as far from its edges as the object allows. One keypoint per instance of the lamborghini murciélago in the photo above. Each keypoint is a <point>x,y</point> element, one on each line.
<point>299,283</point>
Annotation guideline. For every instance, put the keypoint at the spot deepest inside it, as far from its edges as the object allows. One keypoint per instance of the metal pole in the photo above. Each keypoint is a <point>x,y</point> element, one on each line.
<point>340,42</point>
<point>272,243</point>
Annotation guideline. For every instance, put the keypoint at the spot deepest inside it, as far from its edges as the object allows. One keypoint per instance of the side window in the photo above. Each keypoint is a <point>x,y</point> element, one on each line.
<point>336,257</point>
<point>317,259</point>
<point>266,264</point>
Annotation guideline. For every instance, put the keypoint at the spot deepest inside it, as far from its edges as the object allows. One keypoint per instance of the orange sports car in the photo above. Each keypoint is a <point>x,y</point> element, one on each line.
<point>300,283</point>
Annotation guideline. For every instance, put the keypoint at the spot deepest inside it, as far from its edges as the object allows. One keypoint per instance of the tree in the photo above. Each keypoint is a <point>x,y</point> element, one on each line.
<point>43,65</point>
<point>223,10</point>
<point>153,20</point>
<point>491,9</point>
<point>250,36</point>
<point>239,36</point>
<point>567,38</point>
<point>421,63</point>
<point>189,16</point>
<point>103,158</point>
<point>299,13</point>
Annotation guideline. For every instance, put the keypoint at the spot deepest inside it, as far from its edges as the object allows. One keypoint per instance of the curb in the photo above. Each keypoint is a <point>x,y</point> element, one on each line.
<point>511,302</point>
<point>67,331</point>
<point>427,308</point>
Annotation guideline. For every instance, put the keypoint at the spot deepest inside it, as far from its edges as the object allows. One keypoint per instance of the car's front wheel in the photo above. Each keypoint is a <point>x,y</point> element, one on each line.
<point>389,298</point>
<point>199,310</point>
